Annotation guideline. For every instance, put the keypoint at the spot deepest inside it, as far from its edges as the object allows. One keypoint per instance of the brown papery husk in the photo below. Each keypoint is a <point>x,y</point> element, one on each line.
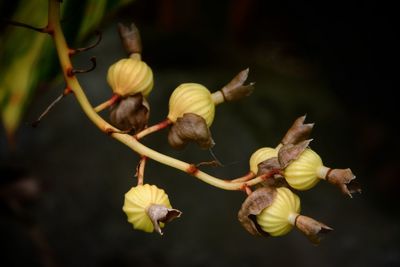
<point>344,179</point>
<point>258,200</point>
<point>160,213</point>
<point>190,128</point>
<point>130,38</point>
<point>269,166</point>
<point>236,89</point>
<point>298,132</point>
<point>131,113</point>
<point>290,152</point>
<point>311,228</point>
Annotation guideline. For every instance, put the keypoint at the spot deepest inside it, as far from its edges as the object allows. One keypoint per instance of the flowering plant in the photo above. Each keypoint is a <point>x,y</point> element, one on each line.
<point>270,209</point>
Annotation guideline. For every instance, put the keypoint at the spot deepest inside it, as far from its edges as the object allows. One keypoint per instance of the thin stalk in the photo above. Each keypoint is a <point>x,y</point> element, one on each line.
<point>107,103</point>
<point>159,126</point>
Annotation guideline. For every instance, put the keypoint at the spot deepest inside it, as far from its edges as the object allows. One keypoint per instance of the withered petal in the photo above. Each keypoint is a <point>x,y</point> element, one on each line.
<point>268,166</point>
<point>260,199</point>
<point>236,89</point>
<point>291,152</point>
<point>159,213</point>
<point>130,38</point>
<point>314,230</point>
<point>131,113</point>
<point>298,131</point>
<point>344,179</point>
<point>190,128</point>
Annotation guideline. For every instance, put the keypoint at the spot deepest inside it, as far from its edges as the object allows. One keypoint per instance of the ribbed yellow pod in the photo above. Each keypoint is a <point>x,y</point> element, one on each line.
<point>138,199</point>
<point>130,76</point>
<point>191,98</point>
<point>303,173</point>
<point>279,218</point>
<point>261,155</point>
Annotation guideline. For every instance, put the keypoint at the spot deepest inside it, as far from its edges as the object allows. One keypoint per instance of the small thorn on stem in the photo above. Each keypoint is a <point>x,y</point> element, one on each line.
<point>52,104</point>
<point>83,49</point>
<point>72,72</point>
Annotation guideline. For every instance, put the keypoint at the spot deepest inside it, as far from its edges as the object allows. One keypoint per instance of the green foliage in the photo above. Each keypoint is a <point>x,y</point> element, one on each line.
<point>28,57</point>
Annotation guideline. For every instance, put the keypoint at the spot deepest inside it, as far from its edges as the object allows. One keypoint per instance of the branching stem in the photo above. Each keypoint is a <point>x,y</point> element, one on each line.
<point>132,142</point>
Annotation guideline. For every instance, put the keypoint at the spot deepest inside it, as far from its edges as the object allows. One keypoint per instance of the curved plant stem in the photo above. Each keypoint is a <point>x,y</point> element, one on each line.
<point>132,142</point>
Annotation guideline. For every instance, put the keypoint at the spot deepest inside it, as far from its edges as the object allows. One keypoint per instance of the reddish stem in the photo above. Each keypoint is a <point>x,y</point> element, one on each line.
<point>159,126</point>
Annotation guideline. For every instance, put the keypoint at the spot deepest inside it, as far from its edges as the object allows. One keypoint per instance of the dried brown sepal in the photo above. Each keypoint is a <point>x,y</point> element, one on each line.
<point>160,213</point>
<point>311,228</point>
<point>344,179</point>
<point>131,113</point>
<point>298,131</point>
<point>260,199</point>
<point>190,128</point>
<point>291,152</point>
<point>235,89</point>
<point>130,38</point>
<point>269,166</point>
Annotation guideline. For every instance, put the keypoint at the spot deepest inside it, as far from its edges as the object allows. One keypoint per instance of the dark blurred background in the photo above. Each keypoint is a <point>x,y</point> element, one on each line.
<point>334,61</point>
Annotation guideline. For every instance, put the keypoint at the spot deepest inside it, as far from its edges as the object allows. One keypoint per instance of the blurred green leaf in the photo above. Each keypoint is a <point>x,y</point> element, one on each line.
<point>28,57</point>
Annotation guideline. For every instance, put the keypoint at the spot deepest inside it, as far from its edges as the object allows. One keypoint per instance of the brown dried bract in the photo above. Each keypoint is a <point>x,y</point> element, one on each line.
<point>344,179</point>
<point>252,206</point>
<point>190,128</point>
<point>160,213</point>
<point>291,152</point>
<point>271,166</point>
<point>130,114</point>
<point>298,132</point>
<point>235,89</point>
<point>130,38</point>
<point>312,228</point>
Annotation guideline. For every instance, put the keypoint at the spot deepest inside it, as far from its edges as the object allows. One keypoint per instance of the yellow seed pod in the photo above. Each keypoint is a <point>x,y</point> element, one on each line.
<point>261,155</point>
<point>279,218</point>
<point>130,76</point>
<point>191,98</point>
<point>138,199</point>
<point>306,171</point>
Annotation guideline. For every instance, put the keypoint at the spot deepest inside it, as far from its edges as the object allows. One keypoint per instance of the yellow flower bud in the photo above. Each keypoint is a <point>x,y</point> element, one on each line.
<point>130,76</point>
<point>138,200</point>
<point>280,217</point>
<point>306,171</point>
<point>261,155</point>
<point>191,98</point>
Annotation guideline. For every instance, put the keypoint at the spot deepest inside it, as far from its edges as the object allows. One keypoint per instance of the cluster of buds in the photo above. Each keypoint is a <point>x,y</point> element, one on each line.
<point>191,113</point>
<point>270,209</point>
<point>273,209</point>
